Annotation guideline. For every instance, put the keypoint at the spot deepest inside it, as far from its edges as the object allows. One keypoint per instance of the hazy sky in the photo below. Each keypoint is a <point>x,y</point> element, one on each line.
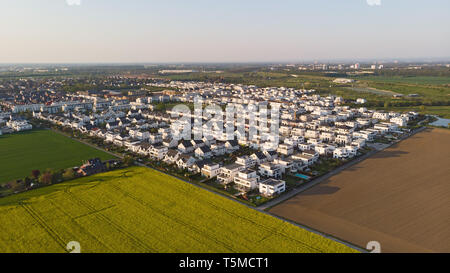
<point>221,31</point>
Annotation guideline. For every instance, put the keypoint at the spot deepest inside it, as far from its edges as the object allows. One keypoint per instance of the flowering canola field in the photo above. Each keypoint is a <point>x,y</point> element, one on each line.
<point>141,210</point>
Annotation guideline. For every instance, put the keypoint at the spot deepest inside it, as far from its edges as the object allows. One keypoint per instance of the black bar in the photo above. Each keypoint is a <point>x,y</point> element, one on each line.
<point>224,262</point>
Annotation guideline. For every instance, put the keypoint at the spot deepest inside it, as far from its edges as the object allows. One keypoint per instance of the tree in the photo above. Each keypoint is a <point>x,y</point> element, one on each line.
<point>128,161</point>
<point>35,174</point>
<point>56,176</point>
<point>27,181</point>
<point>46,178</point>
<point>69,174</point>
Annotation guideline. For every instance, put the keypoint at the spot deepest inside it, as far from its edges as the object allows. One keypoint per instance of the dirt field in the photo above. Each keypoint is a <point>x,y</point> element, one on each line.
<point>399,197</point>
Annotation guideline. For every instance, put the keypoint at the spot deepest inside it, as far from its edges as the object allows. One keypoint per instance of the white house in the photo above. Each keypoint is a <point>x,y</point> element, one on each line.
<point>211,170</point>
<point>170,142</point>
<point>324,149</point>
<point>155,138</point>
<point>227,173</point>
<point>158,152</point>
<point>381,115</point>
<point>185,147</point>
<point>271,187</point>
<point>363,134</point>
<point>203,152</point>
<point>231,146</point>
<point>327,136</point>
<point>246,180</point>
<point>185,161</point>
<point>269,169</point>
<point>285,149</point>
<point>19,126</point>
<point>361,101</point>
<point>218,148</point>
<point>307,157</point>
<point>305,146</point>
<point>345,152</point>
<point>171,156</point>
<point>285,164</point>
<point>343,139</point>
<point>259,157</point>
<point>360,143</point>
<point>246,161</point>
<point>312,134</point>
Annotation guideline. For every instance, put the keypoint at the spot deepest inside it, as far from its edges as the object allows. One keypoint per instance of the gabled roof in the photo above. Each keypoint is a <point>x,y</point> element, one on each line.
<point>172,153</point>
<point>205,149</point>
<point>202,163</point>
<point>186,143</point>
<point>259,155</point>
<point>114,123</point>
<point>185,157</point>
<point>233,142</point>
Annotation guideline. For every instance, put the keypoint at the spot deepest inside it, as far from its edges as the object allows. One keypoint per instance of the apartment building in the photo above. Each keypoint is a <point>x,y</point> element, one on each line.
<point>246,180</point>
<point>272,187</point>
<point>227,173</point>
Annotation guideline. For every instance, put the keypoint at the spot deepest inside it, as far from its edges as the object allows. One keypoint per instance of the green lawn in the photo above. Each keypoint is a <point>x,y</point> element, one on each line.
<point>20,153</point>
<point>141,210</point>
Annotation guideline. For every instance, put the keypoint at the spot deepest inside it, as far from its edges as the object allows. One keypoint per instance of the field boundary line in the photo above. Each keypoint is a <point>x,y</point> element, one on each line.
<point>259,209</point>
<point>161,212</point>
<point>54,235</point>
<point>109,221</point>
<point>79,226</point>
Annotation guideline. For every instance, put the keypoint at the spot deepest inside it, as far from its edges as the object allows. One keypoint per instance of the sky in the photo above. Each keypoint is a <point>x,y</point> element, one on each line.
<point>159,31</point>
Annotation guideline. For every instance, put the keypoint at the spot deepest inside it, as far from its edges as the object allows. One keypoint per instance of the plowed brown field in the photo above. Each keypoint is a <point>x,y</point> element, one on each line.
<point>399,197</point>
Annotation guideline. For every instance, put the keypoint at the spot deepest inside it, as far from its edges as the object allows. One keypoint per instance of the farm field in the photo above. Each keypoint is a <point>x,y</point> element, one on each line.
<point>41,149</point>
<point>372,90</point>
<point>141,210</point>
<point>424,80</point>
<point>442,111</point>
<point>399,197</point>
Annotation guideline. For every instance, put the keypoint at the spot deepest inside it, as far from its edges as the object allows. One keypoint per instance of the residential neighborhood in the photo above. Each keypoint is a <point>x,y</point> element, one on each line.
<point>311,128</point>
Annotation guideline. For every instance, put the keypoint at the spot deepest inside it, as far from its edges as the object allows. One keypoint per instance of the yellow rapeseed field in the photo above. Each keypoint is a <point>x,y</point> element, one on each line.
<point>140,210</point>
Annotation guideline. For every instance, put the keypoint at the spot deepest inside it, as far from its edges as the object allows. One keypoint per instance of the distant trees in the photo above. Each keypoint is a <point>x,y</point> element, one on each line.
<point>68,174</point>
<point>46,178</point>
<point>35,174</point>
<point>28,181</point>
<point>128,161</point>
<point>160,107</point>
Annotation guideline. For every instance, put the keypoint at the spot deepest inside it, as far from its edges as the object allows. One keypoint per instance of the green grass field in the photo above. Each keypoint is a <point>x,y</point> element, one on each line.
<point>41,149</point>
<point>141,210</point>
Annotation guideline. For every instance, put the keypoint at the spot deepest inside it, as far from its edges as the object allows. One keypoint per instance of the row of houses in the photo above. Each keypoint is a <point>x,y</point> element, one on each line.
<point>11,123</point>
<point>310,127</point>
